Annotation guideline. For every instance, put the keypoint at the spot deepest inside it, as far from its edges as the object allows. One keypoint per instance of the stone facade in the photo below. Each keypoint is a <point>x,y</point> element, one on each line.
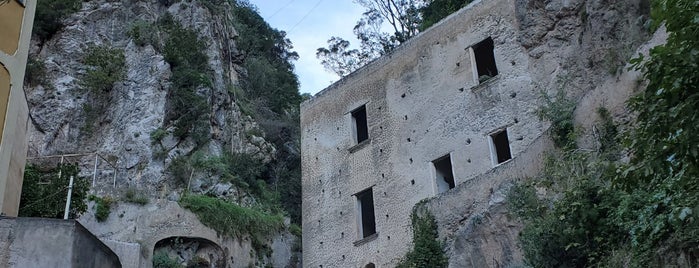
<point>437,113</point>
<point>435,120</point>
<point>15,32</point>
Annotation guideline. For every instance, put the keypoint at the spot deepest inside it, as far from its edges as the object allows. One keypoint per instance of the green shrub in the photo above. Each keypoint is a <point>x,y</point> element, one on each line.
<point>157,135</point>
<point>180,169</point>
<point>427,251</point>
<point>44,193</point>
<point>233,220</point>
<point>184,51</point>
<point>103,206</point>
<point>198,262</point>
<point>577,232</point>
<point>49,16</point>
<point>162,260</point>
<point>36,72</point>
<point>145,33</point>
<point>106,66</point>
<point>436,10</point>
<point>559,112</point>
<point>523,202</point>
<point>131,195</point>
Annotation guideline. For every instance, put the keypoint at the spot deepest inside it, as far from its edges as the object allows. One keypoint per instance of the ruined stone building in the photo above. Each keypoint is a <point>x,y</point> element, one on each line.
<point>454,107</point>
<point>453,102</point>
<point>16,19</point>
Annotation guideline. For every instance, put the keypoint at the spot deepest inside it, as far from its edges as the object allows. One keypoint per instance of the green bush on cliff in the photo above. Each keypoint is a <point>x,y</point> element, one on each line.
<point>44,193</point>
<point>50,15</point>
<point>233,220</point>
<point>427,251</point>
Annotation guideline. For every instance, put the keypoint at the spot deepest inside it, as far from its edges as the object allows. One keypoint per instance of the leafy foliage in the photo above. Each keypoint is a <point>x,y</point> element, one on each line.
<point>269,92</point>
<point>103,207</point>
<point>184,51</point>
<point>132,195</point>
<point>35,73</point>
<point>270,80</point>
<point>436,10</point>
<point>405,17</point>
<point>559,112</point>
<point>233,220</point>
<point>162,260</point>
<point>105,66</point>
<point>427,250</point>
<point>576,225</point>
<point>145,33</point>
<point>641,213</point>
<point>49,16</point>
<point>44,193</point>
<point>665,158</point>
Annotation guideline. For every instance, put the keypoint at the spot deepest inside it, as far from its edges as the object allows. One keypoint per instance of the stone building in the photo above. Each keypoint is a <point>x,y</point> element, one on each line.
<point>450,104</point>
<point>16,18</point>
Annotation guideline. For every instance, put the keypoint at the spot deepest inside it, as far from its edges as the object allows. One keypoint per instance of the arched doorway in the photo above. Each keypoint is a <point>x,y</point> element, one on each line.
<point>188,252</point>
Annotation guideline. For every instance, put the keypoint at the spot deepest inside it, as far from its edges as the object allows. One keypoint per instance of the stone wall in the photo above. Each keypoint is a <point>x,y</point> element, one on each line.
<point>425,101</point>
<point>36,242</point>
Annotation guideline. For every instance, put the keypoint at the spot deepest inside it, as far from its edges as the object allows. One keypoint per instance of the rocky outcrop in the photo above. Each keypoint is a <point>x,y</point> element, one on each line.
<point>138,106</point>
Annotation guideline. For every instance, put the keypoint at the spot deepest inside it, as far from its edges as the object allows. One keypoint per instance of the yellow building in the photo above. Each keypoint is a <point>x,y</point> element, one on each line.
<point>16,18</point>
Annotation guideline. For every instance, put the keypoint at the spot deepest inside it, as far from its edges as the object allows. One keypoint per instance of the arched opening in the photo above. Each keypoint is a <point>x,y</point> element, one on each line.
<point>370,265</point>
<point>188,252</point>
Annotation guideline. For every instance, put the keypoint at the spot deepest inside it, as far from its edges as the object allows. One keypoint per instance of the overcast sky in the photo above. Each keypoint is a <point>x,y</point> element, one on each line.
<point>309,24</point>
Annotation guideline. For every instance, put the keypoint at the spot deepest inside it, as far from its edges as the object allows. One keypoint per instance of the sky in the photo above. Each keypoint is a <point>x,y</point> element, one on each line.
<point>309,24</point>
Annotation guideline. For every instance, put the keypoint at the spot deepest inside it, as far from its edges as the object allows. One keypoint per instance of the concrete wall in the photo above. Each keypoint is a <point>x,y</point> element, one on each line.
<point>423,102</point>
<point>36,242</point>
<point>14,48</point>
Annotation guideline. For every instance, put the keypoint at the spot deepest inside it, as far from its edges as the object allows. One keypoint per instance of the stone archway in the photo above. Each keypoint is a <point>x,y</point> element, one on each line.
<point>190,251</point>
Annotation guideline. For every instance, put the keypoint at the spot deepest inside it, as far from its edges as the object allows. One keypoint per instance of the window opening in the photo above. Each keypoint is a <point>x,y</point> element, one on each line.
<point>366,220</point>
<point>500,147</point>
<point>359,122</point>
<point>485,60</point>
<point>443,174</point>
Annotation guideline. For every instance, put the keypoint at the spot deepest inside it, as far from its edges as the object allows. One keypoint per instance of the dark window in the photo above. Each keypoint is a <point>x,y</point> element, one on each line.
<point>444,175</point>
<point>501,146</point>
<point>365,200</point>
<point>360,125</point>
<point>485,60</point>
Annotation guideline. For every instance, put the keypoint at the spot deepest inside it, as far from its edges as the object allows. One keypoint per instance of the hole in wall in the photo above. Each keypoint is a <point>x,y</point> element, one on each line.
<point>359,120</point>
<point>485,60</point>
<point>443,173</point>
<point>500,147</point>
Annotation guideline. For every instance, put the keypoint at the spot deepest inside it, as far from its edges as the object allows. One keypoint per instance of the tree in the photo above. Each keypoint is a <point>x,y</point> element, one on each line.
<point>405,17</point>
<point>436,10</point>
<point>44,192</point>
<point>401,15</point>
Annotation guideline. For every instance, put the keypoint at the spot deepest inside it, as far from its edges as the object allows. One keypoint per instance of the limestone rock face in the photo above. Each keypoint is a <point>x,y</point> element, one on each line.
<point>138,105</point>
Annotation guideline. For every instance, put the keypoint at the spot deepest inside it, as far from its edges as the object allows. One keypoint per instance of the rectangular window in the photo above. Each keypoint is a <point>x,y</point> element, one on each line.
<point>443,174</point>
<point>500,147</point>
<point>365,213</point>
<point>359,124</point>
<point>485,60</point>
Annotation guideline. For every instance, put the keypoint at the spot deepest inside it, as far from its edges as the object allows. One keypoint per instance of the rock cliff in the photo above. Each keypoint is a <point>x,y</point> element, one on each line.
<point>133,136</point>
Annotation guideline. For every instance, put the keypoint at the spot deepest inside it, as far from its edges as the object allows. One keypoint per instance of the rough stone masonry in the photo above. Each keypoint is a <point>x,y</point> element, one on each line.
<point>451,108</point>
